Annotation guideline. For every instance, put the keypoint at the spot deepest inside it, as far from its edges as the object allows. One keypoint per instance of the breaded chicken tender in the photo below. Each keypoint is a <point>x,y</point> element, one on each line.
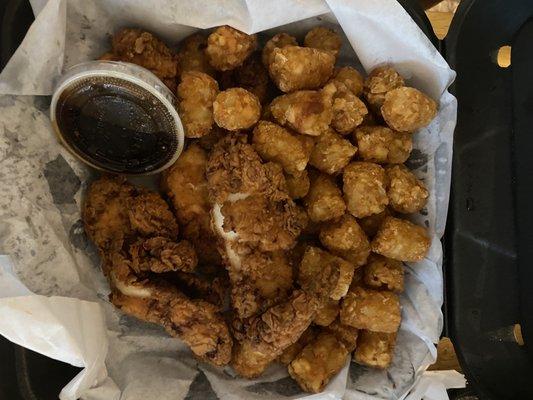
<point>279,40</point>
<point>298,185</point>
<point>308,112</point>
<point>252,75</point>
<point>196,92</point>
<point>365,189</point>
<point>318,362</point>
<point>192,57</point>
<point>268,335</point>
<point>384,273</point>
<point>345,333</point>
<point>380,81</point>
<point>407,109</point>
<point>326,313</point>
<point>372,223</point>
<point>294,349</point>
<point>236,109</point>
<point>382,145</point>
<point>331,153</point>
<point>324,200</point>
<point>375,349</point>
<point>348,110</point>
<point>324,274</point>
<point>407,194</point>
<point>227,48</point>
<point>290,150</point>
<point>350,77</point>
<point>324,39</point>
<point>346,239</point>
<point>296,68</point>
<point>144,49</point>
<point>377,311</point>
<point>185,184</point>
<point>401,240</point>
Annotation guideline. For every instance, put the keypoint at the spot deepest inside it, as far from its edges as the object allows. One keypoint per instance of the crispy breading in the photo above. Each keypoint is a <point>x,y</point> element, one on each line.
<point>277,144</point>
<point>380,81</point>
<point>401,240</point>
<point>298,185</point>
<point>375,349</point>
<point>331,152</point>
<point>365,186</point>
<point>349,76</point>
<point>236,108</point>
<point>372,223</point>
<point>227,48</point>
<point>294,349</point>
<point>348,110</point>
<point>279,40</point>
<point>318,362</point>
<point>382,145</point>
<point>252,75</point>
<point>345,333</point>
<point>324,39</point>
<point>326,313</point>
<point>346,239</point>
<point>191,55</point>
<point>407,194</point>
<point>384,273</point>
<point>377,311</point>
<point>407,109</point>
<point>266,336</point>
<point>296,68</point>
<point>324,200</point>
<point>197,92</point>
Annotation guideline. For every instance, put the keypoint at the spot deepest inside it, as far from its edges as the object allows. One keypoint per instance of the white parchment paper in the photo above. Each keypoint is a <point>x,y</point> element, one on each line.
<point>53,296</point>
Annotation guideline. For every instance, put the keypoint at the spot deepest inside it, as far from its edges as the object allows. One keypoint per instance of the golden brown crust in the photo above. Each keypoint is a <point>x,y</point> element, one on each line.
<point>236,108</point>
<point>377,311</point>
<point>331,153</point>
<point>196,92</point>
<point>408,109</point>
<point>375,349</point>
<point>346,334</point>
<point>324,200</point>
<point>407,194</point>
<point>298,185</point>
<point>191,55</point>
<point>326,313</point>
<point>383,273</point>
<point>318,362</point>
<point>324,39</point>
<point>382,145</point>
<point>296,68</point>
<point>279,40</point>
<point>346,239</point>
<point>348,110</point>
<point>372,223</point>
<point>365,189</point>
<point>277,144</point>
<point>380,81</point>
<point>294,349</point>
<point>227,48</point>
<point>401,240</point>
<point>350,77</point>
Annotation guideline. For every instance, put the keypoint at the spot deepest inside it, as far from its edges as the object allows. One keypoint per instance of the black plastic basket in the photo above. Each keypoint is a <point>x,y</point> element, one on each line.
<point>488,279</point>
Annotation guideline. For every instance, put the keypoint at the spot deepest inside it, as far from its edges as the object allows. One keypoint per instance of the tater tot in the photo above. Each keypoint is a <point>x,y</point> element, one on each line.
<point>408,109</point>
<point>380,81</point>
<point>235,109</point>
<point>365,189</point>
<point>227,48</point>
<point>331,153</point>
<point>275,143</point>
<point>375,310</point>
<point>318,362</point>
<point>327,312</point>
<point>197,92</point>
<point>375,349</point>
<point>351,78</point>
<point>295,68</point>
<point>307,111</point>
<point>372,223</point>
<point>323,39</point>
<point>192,57</point>
<point>324,199</point>
<point>345,333</point>
<point>278,40</point>
<point>348,110</point>
<point>382,145</point>
<point>297,185</point>
<point>346,239</point>
<point>407,194</point>
<point>401,240</point>
<point>294,349</point>
<point>384,273</point>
